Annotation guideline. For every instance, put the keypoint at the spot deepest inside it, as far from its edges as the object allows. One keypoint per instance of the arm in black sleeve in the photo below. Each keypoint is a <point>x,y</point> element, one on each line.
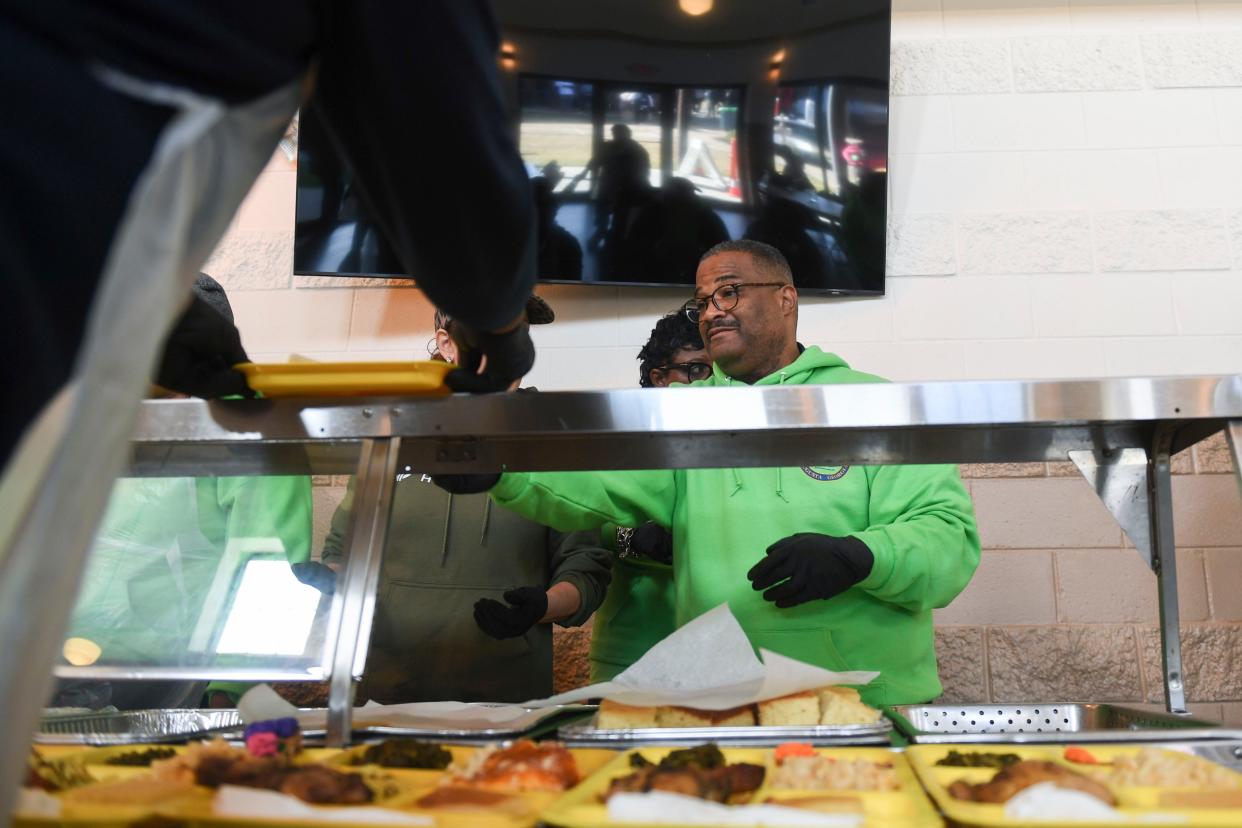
<point>411,96</point>
<point>579,559</point>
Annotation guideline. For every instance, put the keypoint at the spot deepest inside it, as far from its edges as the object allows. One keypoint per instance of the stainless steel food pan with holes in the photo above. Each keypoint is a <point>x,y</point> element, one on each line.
<point>1047,722</point>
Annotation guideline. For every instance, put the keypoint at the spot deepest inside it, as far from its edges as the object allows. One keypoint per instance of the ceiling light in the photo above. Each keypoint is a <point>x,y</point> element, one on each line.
<point>695,7</point>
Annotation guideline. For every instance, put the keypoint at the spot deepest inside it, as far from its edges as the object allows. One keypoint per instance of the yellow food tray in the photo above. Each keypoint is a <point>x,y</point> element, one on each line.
<point>407,786</point>
<point>347,379</point>
<point>907,807</point>
<point>1136,804</point>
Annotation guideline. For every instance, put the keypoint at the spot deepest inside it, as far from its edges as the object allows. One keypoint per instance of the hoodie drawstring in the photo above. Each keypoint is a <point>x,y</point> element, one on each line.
<point>448,519</point>
<point>780,489</point>
<point>737,483</point>
<point>487,516</point>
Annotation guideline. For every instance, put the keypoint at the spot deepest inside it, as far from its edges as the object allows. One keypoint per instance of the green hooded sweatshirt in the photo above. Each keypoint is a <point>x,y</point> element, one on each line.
<point>916,520</point>
<point>635,616</point>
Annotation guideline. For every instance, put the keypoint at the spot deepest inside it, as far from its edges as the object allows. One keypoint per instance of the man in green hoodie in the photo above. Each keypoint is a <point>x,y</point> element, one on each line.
<point>835,565</point>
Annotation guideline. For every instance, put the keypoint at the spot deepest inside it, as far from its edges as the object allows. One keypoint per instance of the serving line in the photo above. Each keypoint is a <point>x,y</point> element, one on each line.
<point>1120,433</point>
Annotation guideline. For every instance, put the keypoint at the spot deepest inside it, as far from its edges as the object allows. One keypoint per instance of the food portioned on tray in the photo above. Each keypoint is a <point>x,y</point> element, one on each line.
<point>700,772</point>
<point>1018,776</point>
<point>54,776</point>
<point>827,706</point>
<point>802,768</point>
<point>978,759</point>
<point>522,766</point>
<point>795,784</point>
<point>214,764</point>
<point>140,758</point>
<point>1108,783</point>
<point>411,754</point>
<point>1156,768</point>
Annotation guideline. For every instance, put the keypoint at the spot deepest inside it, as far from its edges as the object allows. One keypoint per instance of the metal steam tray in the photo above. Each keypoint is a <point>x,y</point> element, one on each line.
<point>137,727</point>
<point>587,735</point>
<point>1046,722</point>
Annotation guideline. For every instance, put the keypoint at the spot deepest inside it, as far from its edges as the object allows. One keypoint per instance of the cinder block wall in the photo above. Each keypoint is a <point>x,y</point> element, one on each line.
<point>1066,201</point>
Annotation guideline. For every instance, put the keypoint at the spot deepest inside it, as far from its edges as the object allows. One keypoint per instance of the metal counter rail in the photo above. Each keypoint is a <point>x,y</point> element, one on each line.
<point>1119,432</point>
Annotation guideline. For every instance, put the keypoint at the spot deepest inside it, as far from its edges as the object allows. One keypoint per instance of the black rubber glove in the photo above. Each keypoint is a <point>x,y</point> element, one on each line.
<point>526,606</point>
<point>809,566</point>
<point>200,353</point>
<point>651,540</point>
<point>317,575</point>
<point>510,357</point>
<point>466,483</point>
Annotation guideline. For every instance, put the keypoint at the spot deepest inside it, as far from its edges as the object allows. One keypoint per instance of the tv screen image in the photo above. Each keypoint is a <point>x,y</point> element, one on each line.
<point>650,134</point>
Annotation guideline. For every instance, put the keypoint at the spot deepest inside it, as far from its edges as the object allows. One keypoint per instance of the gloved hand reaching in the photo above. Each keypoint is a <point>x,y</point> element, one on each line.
<point>809,566</point>
<point>315,574</point>
<point>651,540</point>
<point>510,356</point>
<point>200,353</point>
<point>527,605</point>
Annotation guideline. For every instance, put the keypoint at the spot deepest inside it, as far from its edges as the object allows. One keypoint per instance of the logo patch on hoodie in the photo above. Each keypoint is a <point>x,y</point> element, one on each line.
<point>826,472</point>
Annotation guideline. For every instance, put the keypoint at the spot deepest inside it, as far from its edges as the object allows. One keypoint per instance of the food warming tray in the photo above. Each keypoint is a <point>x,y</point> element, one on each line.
<point>153,726</point>
<point>1046,722</point>
<point>585,734</point>
<point>137,726</point>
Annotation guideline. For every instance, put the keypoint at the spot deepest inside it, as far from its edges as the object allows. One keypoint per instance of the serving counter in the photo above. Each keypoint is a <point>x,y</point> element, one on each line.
<point>1120,433</point>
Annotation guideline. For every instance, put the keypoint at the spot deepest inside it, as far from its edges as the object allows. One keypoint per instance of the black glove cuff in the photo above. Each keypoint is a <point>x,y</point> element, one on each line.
<point>858,556</point>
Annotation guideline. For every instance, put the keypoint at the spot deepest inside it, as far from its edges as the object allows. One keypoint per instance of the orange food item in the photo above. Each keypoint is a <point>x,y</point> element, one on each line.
<point>524,766</point>
<point>792,749</point>
<point>1080,756</point>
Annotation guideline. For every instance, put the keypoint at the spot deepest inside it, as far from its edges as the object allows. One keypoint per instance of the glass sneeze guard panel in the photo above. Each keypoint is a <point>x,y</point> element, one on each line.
<point>214,576</point>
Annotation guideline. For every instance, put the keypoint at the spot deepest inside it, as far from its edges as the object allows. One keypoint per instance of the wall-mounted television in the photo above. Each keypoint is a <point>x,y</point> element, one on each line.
<point>650,134</point>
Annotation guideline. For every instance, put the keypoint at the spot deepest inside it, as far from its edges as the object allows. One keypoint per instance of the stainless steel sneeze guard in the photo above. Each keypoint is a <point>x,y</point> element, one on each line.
<point>703,427</point>
<point>1119,432</point>
<point>1036,722</point>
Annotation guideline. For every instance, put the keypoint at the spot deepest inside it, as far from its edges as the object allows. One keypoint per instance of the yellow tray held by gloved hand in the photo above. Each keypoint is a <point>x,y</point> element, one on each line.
<point>906,806</point>
<point>1152,785</point>
<point>347,379</point>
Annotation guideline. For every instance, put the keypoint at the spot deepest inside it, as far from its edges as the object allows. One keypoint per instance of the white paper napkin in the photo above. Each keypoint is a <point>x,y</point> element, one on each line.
<point>708,664</point>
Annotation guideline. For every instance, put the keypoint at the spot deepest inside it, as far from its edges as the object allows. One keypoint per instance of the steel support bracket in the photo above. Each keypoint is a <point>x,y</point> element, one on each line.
<point>1119,478</point>
<point>1233,432</point>
<point>1135,485</point>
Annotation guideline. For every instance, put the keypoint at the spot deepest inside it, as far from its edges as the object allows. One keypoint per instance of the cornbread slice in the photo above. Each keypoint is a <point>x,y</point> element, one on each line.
<point>843,706</point>
<point>794,709</point>
<point>616,716</point>
<point>690,717</point>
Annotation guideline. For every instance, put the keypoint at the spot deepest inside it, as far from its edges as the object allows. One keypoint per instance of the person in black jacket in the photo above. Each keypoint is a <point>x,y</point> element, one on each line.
<point>132,131</point>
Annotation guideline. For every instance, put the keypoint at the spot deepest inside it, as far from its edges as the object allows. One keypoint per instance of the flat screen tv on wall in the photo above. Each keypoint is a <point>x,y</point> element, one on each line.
<point>651,133</point>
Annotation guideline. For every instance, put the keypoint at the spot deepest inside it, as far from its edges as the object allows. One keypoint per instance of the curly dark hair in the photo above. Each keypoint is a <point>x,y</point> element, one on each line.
<point>672,333</point>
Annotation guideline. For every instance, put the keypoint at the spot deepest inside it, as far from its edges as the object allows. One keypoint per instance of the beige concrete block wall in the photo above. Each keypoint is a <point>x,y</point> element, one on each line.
<point>1064,202</point>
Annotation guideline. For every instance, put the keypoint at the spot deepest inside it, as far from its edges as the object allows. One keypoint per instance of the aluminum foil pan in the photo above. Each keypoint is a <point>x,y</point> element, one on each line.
<point>1046,722</point>
<point>539,721</point>
<point>587,735</point>
<point>137,727</point>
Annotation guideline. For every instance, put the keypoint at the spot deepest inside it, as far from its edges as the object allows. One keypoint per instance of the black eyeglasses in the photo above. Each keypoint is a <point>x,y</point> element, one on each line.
<point>695,371</point>
<point>725,298</point>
